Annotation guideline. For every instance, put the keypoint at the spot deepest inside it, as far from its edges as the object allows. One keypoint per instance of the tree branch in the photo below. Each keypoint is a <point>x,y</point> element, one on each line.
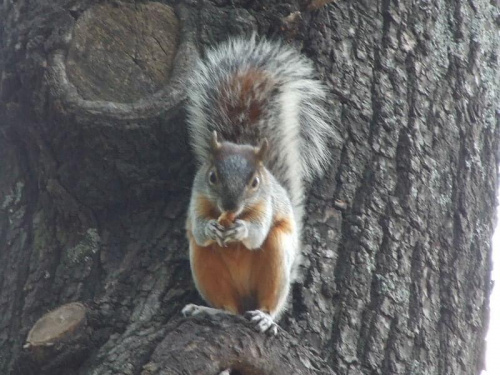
<point>209,345</point>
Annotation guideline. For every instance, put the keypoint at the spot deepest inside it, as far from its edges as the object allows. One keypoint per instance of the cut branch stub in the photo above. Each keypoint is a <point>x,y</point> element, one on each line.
<point>124,61</point>
<point>210,345</point>
<point>59,337</point>
<point>122,53</point>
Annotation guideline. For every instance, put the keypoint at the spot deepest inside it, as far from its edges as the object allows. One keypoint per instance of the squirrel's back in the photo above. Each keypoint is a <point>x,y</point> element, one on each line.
<point>246,90</point>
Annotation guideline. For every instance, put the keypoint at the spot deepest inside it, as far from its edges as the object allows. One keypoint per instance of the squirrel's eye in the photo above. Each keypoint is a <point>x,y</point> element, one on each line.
<point>212,177</point>
<point>255,182</point>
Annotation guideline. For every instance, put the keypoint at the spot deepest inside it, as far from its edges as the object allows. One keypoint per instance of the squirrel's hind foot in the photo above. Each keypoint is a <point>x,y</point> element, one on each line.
<point>263,321</point>
<point>191,310</point>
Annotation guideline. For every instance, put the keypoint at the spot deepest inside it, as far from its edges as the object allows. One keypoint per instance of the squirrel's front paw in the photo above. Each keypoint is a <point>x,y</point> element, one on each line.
<point>236,232</point>
<point>263,322</point>
<point>215,232</point>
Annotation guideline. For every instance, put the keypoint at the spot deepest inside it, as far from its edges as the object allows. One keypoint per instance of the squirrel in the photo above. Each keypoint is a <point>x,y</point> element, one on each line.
<point>258,127</point>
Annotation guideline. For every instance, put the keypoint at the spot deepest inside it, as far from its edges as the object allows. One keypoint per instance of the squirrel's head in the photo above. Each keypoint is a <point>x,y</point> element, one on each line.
<point>237,175</point>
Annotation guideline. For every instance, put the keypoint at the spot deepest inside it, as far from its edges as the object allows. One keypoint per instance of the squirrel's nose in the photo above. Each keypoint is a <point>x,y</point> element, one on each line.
<point>230,206</point>
<point>230,203</point>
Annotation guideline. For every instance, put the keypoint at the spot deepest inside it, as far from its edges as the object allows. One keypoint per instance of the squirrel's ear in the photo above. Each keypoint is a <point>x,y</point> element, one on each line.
<point>261,150</point>
<point>214,143</point>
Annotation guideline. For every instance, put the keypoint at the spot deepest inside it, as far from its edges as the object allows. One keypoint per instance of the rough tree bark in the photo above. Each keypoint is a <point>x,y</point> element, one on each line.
<point>95,170</point>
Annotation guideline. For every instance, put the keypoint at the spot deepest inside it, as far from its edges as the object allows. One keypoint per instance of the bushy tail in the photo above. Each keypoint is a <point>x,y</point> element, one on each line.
<point>247,89</point>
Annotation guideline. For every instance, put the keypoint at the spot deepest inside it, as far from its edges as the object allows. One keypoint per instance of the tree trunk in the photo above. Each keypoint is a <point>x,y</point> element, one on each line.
<point>95,173</point>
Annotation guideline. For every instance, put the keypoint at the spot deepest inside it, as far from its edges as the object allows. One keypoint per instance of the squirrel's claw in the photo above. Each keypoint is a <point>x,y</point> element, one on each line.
<point>215,232</point>
<point>263,322</point>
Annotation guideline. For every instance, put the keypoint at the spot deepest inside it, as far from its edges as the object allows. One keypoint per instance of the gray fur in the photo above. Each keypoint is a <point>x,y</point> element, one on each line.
<point>235,172</point>
<point>293,118</point>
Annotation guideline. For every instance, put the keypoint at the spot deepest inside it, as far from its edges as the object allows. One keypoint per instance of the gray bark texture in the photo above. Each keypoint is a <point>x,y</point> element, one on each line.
<point>95,173</point>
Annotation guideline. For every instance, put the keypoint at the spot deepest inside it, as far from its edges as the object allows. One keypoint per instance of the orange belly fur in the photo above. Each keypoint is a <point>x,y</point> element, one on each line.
<point>236,279</point>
